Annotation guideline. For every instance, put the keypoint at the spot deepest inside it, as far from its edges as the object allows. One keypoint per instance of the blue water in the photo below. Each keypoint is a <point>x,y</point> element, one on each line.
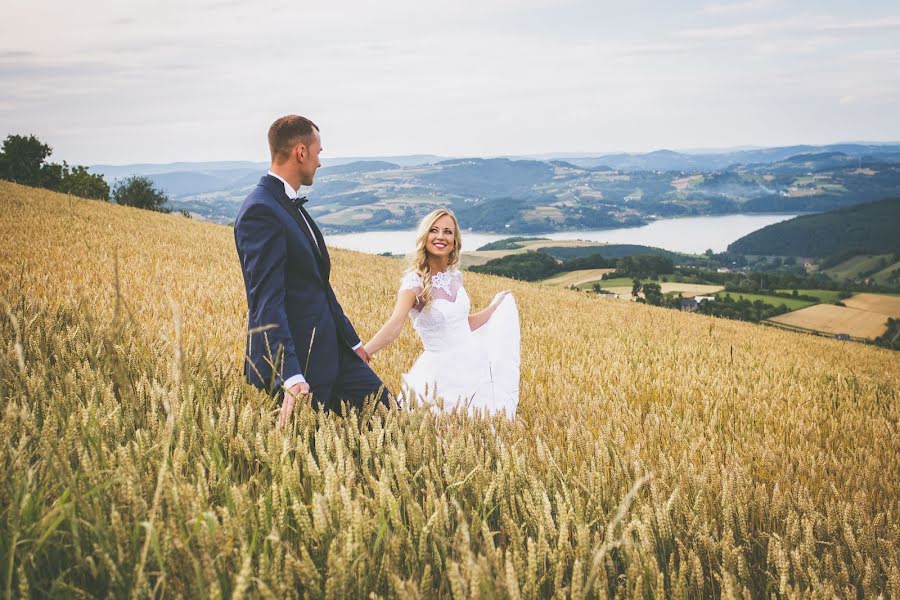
<point>692,235</point>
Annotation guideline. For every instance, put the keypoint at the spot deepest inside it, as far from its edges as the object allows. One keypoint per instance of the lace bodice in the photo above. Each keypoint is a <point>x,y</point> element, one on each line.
<point>446,320</point>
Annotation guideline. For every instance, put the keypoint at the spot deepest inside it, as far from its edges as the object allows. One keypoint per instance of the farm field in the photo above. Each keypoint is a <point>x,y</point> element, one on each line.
<point>479,257</point>
<point>825,296</point>
<point>617,282</point>
<point>828,318</point>
<point>877,303</point>
<point>655,453</point>
<point>577,278</point>
<point>852,267</point>
<point>687,289</point>
<point>883,276</point>
<point>791,303</point>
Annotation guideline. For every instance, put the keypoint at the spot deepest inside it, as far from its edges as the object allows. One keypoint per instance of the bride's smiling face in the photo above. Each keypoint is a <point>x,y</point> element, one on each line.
<point>441,237</point>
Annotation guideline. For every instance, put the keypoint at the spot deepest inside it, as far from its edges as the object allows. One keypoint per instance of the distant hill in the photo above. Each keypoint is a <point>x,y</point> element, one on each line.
<point>119,171</point>
<point>518,196</point>
<point>866,228</point>
<point>668,160</point>
<point>607,251</point>
<point>360,166</point>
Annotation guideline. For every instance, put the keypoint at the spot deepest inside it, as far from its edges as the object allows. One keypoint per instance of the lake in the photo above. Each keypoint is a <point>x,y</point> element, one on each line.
<point>692,235</point>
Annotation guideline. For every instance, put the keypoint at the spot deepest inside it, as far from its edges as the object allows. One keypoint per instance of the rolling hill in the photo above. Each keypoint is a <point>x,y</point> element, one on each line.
<point>526,196</point>
<point>870,228</point>
<point>654,452</point>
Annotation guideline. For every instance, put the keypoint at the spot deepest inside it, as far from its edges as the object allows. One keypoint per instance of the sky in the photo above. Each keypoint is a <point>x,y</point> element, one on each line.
<point>163,81</point>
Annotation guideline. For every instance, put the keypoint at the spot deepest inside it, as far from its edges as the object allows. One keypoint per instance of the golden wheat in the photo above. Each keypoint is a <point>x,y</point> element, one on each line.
<point>655,453</point>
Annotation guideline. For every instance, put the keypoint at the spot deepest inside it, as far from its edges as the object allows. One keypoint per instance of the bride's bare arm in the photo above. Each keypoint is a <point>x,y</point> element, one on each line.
<point>478,319</point>
<point>406,299</point>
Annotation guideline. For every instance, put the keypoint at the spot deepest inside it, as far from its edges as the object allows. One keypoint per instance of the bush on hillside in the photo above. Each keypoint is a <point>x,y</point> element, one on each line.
<point>22,160</point>
<point>139,192</point>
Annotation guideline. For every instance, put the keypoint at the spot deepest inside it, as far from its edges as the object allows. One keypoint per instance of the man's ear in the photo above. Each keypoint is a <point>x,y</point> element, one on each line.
<point>301,152</point>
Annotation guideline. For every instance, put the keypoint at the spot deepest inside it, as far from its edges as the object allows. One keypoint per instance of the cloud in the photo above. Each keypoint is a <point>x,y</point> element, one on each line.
<point>731,8</point>
<point>794,27</point>
<point>15,54</point>
<point>202,80</point>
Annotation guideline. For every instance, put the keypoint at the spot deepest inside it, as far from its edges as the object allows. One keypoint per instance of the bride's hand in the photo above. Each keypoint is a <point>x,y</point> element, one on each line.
<point>499,298</point>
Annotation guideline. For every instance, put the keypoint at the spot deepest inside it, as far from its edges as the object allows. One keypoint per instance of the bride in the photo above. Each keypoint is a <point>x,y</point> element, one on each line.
<point>470,360</point>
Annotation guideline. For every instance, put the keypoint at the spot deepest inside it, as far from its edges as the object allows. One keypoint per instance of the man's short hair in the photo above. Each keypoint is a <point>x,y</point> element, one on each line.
<point>288,131</point>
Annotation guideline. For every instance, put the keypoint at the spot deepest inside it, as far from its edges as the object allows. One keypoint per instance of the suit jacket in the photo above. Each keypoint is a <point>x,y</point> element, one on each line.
<point>287,283</point>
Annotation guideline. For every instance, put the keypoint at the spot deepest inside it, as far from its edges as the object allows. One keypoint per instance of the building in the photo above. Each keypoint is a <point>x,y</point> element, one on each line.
<point>689,304</point>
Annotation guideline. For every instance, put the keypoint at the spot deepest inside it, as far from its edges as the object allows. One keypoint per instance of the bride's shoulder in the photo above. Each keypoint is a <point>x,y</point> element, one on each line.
<point>410,280</point>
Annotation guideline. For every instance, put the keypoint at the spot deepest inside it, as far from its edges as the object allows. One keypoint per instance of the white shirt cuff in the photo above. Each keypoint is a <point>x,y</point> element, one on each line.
<point>292,381</point>
<point>357,346</point>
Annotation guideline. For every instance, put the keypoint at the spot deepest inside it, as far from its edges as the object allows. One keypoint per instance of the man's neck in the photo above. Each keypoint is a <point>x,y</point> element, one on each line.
<point>292,179</point>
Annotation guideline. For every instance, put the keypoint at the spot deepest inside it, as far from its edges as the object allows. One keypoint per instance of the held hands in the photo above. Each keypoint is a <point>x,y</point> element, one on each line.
<point>363,354</point>
<point>291,395</point>
<point>301,391</point>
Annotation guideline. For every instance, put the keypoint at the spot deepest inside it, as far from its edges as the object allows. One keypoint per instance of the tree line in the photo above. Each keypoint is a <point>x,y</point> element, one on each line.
<point>532,266</point>
<point>24,160</point>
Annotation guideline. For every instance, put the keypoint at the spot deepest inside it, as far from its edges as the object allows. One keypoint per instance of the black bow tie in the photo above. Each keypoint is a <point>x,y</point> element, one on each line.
<point>298,202</point>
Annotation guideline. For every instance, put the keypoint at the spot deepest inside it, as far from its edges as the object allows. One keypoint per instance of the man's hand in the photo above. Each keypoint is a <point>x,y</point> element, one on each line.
<point>291,395</point>
<point>361,352</point>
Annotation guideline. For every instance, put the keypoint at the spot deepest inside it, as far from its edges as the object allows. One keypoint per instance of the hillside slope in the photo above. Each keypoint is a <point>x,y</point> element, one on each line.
<point>653,450</point>
<point>866,228</point>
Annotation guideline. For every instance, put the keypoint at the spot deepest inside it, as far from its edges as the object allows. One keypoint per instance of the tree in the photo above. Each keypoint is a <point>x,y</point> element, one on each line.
<point>138,191</point>
<point>653,293</point>
<point>51,176</point>
<point>22,159</point>
<point>530,266</point>
<point>635,287</point>
<point>79,182</point>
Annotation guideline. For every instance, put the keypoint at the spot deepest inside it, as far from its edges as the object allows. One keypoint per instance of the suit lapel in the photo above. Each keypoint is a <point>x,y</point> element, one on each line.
<point>320,243</point>
<point>277,189</point>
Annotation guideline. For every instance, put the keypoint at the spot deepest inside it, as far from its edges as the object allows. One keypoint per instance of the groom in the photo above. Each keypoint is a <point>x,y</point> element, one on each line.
<point>299,338</point>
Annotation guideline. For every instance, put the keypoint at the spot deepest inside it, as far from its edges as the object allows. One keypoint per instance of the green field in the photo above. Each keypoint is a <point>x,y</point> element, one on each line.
<point>608,283</point>
<point>858,264</point>
<point>773,300</point>
<point>825,296</point>
<point>882,276</point>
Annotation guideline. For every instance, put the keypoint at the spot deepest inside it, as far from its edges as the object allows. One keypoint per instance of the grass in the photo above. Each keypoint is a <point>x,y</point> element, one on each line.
<point>791,303</point>
<point>882,276</point>
<point>851,268</point>
<point>608,283</point>
<point>825,296</point>
<point>654,453</point>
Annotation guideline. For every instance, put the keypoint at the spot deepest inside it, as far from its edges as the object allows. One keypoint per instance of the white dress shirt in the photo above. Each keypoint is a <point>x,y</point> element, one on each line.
<point>293,195</point>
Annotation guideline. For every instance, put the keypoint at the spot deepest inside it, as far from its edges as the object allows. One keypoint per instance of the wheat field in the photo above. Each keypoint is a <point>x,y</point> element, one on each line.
<point>655,454</point>
<point>878,303</point>
<point>829,318</point>
<point>576,278</point>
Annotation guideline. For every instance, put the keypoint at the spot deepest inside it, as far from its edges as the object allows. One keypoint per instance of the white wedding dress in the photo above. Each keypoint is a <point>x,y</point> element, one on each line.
<point>479,369</point>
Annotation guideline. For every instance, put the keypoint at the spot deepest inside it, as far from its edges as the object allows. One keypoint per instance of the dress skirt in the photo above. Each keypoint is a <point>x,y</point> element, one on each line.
<point>478,370</point>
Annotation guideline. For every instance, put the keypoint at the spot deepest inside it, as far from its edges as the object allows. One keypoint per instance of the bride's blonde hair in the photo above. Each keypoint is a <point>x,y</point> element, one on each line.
<point>419,258</point>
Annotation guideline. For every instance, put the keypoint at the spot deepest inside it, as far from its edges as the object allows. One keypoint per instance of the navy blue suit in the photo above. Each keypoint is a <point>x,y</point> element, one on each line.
<point>286,277</point>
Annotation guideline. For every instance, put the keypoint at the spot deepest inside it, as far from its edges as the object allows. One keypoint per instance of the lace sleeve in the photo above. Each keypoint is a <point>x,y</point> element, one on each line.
<point>411,281</point>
